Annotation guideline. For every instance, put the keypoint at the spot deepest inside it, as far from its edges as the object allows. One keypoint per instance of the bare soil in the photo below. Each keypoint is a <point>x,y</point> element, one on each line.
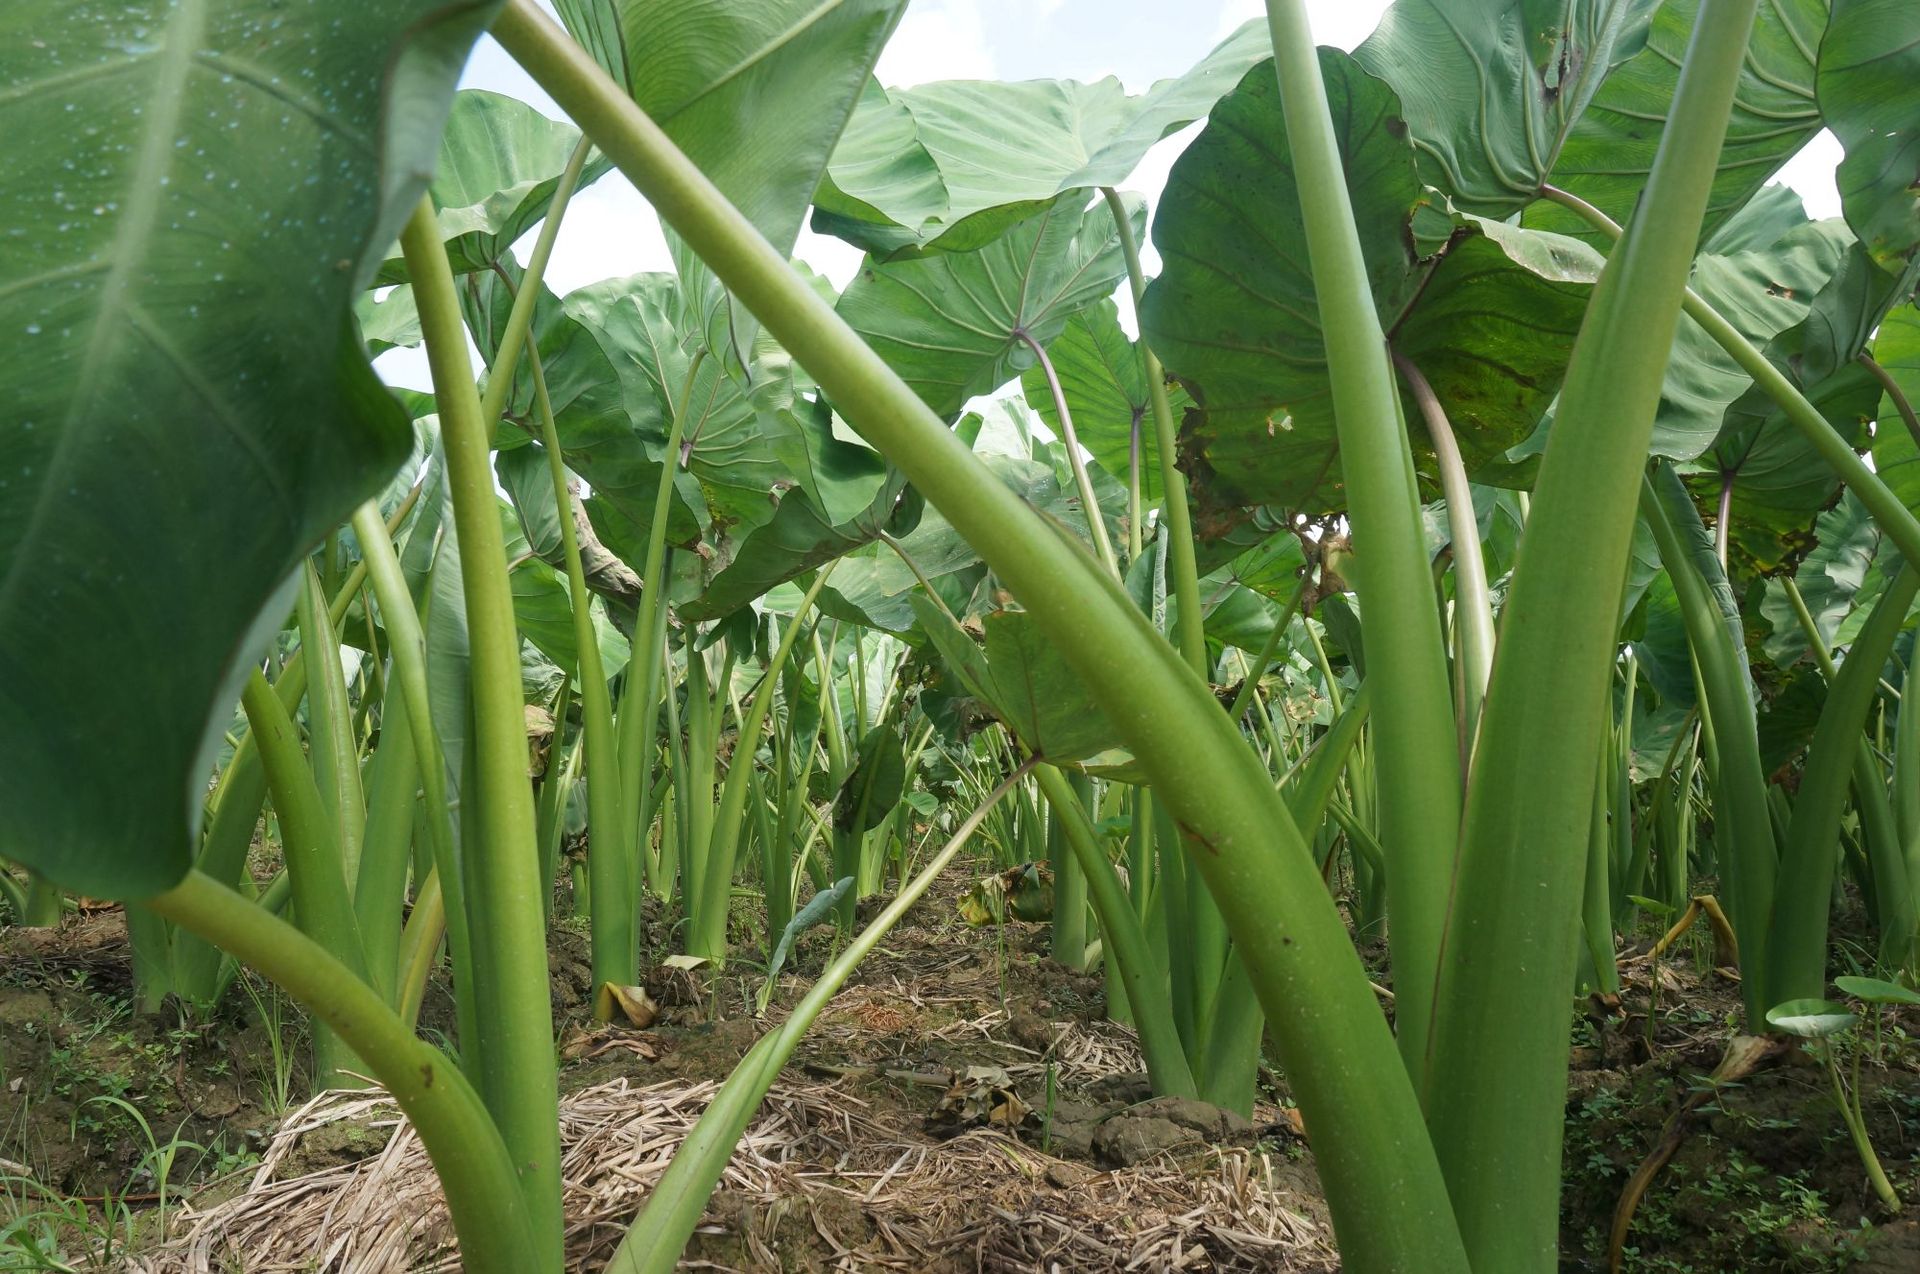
<point>1764,1179</point>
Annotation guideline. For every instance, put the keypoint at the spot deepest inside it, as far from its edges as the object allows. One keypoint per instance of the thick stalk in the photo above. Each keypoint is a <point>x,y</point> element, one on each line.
<point>1796,950</point>
<point>419,943</point>
<point>1416,734</point>
<point>1069,937</point>
<point>709,907</point>
<point>1190,634</point>
<point>475,1171</point>
<point>1597,904</point>
<point>1880,824</point>
<point>1889,513</point>
<point>514,1024</point>
<point>615,949</point>
<point>513,336</point>
<point>1231,1071</point>
<point>654,1244</point>
<point>333,750</point>
<point>1268,648</point>
<point>320,895</point>
<point>550,801</point>
<point>1497,1083</point>
<point>1082,480</point>
<point>242,789</point>
<point>1378,1167</point>
<point>1129,961</point>
<point>407,649</point>
<point>694,780</point>
<point>639,725</point>
<point>320,898</point>
<point>639,720</point>
<point>1896,395</point>
<point>150,948</point>
<point>1472,601</point>
<point>42,906</point>
<point>393,787</point>
<point>1134,530</point>
<point>1747,846</point>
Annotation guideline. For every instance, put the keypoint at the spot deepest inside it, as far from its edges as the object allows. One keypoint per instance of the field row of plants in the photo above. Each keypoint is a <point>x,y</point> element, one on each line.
<point>1499,540</point>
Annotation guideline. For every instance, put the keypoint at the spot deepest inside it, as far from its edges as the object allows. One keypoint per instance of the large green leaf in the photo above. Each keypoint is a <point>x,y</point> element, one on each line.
<point>1780,483</point>
<point>1490,88</point>
<point>1233,311</point>
<point>1105,385</point>
<point>1869,88</point>
<point>1831,576</point>
<point>1762,292</point>
<point>1273,567</point>
<point>763,490</point>
<point>756,92</point>
<point>949,322</point>
<point>834,495</point>
<point>192,195</point>
<point>1491,327</point>
<point>1024,680</point>
<point>1488,317</point>
<point>1660,648</point>
<point>1846,313</point>
<point>528,481</point>
<point>543,603</point>
<point>875,587</point>
<point>390,322</point>
<point>1896,458</point>
<point>1773,272</point>
<point>617,366</point>
<point>1763,221</point>
<point>953,164</point>
<point>1606,158</point>
<point>798,539</point>
<point>500,162</point>
<point>1779,480</point>
<point>873,788</point>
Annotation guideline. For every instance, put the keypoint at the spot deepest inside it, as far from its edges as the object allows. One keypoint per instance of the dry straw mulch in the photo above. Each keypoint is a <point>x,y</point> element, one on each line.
<point>818,1176</point>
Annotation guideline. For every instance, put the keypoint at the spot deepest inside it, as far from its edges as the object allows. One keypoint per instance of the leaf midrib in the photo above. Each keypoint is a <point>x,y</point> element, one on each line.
<point>171,66</point>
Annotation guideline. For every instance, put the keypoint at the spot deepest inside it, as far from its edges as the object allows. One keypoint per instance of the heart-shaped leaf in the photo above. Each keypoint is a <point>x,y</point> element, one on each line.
<point>193,196</point>
<point>756,92</point>
<point>951,323</point>
<point>1105,385</point>
<point>953,165</point>
<point>1832,578</point>
<point>1607,156</point>
<point>1491,88</point>
<point>1488,316</point>
<point>500,162</point>
<point>1869,88</point>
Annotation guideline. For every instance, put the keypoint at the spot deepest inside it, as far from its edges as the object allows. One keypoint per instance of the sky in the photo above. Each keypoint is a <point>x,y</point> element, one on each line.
<point>610,231</point>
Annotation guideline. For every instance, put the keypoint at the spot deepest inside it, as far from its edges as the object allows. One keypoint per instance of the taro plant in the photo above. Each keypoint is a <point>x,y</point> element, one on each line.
<point>1375,566</point>
<point>1826,1026</point>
